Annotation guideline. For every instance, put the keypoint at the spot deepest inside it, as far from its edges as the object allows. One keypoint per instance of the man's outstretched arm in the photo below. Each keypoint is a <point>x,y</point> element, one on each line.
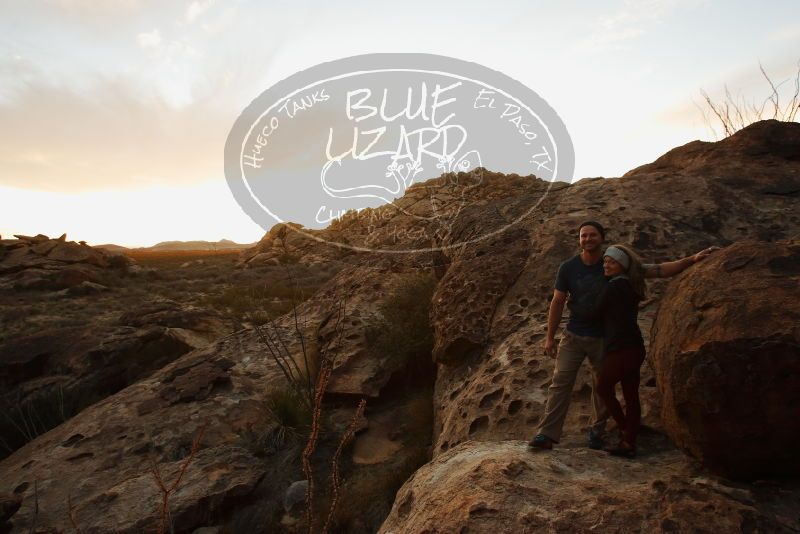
<point>553,318</point>
<point>671,268</point>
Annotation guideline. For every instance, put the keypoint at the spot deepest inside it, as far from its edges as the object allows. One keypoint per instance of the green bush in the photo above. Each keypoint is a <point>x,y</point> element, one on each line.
<point>403,333</point>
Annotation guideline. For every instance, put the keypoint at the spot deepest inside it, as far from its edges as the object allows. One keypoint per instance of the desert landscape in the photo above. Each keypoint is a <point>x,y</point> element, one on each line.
<point>297,386</point>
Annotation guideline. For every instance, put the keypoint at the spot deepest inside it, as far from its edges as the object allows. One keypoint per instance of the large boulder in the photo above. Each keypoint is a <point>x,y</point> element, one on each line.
<point>726,347</point>
<point>102,458</point>
<point>43,263</point>
<point>484,487</point>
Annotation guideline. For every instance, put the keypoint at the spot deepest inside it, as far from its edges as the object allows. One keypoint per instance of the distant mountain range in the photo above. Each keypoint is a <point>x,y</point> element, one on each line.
<point>222,244</point>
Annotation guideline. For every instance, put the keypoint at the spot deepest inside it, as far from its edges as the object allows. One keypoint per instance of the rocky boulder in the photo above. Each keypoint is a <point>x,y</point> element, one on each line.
<point>726,347</point>
<point>288,243</point>
<point>490,311</point>
<point>490,487</point>
<point>39,262</point>
<point>360,368</point>
<point>103,457</point>
<point>49,376</point>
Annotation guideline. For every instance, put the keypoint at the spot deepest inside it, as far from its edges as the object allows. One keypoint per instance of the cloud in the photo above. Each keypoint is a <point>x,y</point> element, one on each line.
<point>786,33</point>
<point>630,22</point>
<point>197,8</point>
<point>109,137</point>
<point>149,40</point>
<point>91,12</point>
<point>162,120</point>
<point>163,49</point>
<point>93,5</point>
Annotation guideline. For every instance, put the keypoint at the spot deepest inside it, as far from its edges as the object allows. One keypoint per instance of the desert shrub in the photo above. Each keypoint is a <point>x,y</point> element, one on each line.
<point>286,408</point>
<point>403,332</point>
<point>285,418</point>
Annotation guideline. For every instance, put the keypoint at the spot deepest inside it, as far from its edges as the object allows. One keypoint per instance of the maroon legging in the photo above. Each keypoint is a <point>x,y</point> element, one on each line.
<point>622,366</point>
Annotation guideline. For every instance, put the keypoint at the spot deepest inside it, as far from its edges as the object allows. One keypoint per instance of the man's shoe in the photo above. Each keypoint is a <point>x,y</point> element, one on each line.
<point>595,440</point>
<point>541,442</point>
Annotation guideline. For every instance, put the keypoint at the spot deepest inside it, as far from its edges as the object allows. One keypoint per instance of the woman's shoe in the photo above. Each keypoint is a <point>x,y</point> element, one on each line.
<point>541,442</point>
<point>595,440</point>
<point>624,449</point>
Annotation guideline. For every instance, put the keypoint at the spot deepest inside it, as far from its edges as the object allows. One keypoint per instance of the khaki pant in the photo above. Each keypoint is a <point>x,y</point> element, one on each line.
<point>571,352</point>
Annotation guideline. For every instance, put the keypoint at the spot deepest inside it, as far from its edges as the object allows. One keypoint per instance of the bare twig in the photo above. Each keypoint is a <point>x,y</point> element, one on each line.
<point>35,506</point>
<point>794,103</point>
<point>283,361</point>
<point>322,381</point>
<point>167,491</point>
<point>735,113</point>
<point>299,330</point>
<point>326,367</point>
<point>71,513</point>
<point>335,481</point>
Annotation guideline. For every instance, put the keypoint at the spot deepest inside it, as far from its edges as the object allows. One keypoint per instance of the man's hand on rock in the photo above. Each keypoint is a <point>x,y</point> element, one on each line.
<point>550,346</point>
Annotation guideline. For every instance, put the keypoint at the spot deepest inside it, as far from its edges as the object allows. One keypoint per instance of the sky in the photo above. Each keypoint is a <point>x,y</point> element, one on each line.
<point>114,113</point>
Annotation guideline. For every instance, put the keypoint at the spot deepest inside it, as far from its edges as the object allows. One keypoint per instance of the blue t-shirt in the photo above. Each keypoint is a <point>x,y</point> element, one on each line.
<point>583,283</point>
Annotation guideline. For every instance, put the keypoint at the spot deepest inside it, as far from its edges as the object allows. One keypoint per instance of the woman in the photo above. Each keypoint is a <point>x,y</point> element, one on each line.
<point>624,352</point>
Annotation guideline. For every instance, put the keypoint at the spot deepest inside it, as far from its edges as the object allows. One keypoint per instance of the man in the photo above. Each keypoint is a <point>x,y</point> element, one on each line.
<point>581,278</point>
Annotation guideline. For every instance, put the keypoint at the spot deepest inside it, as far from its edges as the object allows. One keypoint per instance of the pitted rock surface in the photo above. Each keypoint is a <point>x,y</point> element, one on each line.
<point>486,487</point>
<point>664,215</point>
<point>466,299</point>
<point>362,287</point>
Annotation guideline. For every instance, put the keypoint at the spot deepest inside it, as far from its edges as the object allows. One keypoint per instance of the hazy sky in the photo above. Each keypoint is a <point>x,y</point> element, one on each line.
<point>114,113</point>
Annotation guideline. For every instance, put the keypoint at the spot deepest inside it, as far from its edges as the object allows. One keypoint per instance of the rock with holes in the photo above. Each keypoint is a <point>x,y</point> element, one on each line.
<point>468,295</point>
<point>492,378</point>
<point>726,345</point>
<point>361,368</point>
<point>486,487</point>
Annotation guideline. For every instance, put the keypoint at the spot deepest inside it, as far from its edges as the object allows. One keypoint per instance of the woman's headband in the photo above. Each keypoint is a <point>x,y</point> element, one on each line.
<point>618,255</point>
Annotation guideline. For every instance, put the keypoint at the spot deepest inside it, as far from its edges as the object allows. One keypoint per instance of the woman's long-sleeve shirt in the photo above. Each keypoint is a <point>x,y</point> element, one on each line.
<point>617,306</point>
